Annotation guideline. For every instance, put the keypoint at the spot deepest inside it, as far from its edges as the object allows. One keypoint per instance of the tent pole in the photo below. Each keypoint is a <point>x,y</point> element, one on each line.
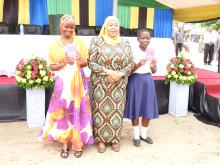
<point>115,3</point>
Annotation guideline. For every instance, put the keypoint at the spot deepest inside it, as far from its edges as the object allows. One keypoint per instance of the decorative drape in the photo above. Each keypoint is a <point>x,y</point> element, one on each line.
<point>163,19</point>
<point>150,18</point>
<point>23,12</point>
<point>134,17</point>
<point>142,17</point>
<point>1,10</point>
<point>84,12</point>
<point>103,10</point>
<point>59,7</point>
<point>123,14</point>
<point>38,12</point>
<point>92,12</point>
<point>75,10</point>
<point>10,12</point>
<point>54,23</point>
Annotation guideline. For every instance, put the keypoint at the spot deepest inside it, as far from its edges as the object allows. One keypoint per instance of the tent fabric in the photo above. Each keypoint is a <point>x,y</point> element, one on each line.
<point>59,7</point>
<point>103,10</point>
<point>75,10</point>
<point>150,18</point>
<point>10,12</point>
<point>1,10</point>
<point>54,23</point>
<point>123,14</point>
<point>23,12</point>
<point>38,12</point>
<point>84,12</point>
<point>134,17</point>
<point>142,17</point>
<point>196,14</point>
<point>92,12</point>
<point>163,19</point>
<point>143,3</point>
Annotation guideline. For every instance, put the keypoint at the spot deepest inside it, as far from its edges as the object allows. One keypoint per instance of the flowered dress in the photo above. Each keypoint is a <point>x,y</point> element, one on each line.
<point>108,98</point>
<point>69,116</point>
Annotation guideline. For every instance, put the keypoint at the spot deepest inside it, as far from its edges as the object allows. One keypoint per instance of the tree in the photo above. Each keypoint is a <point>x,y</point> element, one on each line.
<point>214,24</point>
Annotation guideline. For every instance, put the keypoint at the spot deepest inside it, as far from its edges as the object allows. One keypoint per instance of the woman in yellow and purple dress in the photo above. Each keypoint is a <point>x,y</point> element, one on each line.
<point>69,117</point>
<point>110,63</point>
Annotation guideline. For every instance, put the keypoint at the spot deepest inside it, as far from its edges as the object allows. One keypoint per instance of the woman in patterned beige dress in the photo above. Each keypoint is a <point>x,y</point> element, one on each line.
<point>110,61</point>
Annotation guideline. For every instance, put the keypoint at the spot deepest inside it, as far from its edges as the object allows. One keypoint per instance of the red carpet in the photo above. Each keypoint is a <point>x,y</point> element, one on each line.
<point>209,78</point>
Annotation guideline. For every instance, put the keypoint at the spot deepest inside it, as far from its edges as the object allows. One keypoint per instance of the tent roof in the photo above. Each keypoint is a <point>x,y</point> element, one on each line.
<point>193,10</point>
<point>180,4</point>
<point>184,10</point>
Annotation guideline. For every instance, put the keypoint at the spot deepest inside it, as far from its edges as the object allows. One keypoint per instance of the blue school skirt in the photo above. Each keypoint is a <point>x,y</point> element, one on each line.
<point>141,100</point>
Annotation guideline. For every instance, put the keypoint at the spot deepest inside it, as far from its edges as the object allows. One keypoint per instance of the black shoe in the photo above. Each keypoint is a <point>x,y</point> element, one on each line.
<point>147,140</point>
<point>136,142</point>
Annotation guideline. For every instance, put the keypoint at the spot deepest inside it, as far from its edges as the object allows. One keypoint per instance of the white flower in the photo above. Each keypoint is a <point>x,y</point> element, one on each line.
<point>189,73</point>
<point>40,66</point>
<point>173,73</point>
<point>42,73</point>
<point>28,76</point>
<point>38,81</point>
<point>176,76</point>
<point>181,66</point>
<point>17,72</point>
<point>184,77</point>
<point>29,67</point>
<point>29,72</point>
<point>172,66</point>
<point>23,80</point>
<point>51,78</point>
<point>45,78</point>
<point>18,78</point>
<point>31,81</point>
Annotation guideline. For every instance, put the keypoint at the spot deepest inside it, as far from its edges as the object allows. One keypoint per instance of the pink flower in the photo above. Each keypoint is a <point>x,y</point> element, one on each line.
<point>173,59</point>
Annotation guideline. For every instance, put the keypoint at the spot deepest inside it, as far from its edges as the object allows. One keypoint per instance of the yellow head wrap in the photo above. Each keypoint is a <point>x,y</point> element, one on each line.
<point>103,33</point>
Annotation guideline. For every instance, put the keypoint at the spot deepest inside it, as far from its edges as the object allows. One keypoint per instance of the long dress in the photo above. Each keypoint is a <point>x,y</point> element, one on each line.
<point>108,98</point>
<point>69,116</point>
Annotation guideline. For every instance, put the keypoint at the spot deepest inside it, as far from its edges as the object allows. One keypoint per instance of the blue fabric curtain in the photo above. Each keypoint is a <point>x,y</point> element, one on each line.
<point>103,9</point>
<point>38,12</point>
<point>163,20</point>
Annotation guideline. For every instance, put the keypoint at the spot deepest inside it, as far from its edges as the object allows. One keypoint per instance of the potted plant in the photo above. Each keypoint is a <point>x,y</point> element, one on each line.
<point>180,74</point>
<point>35,76</point>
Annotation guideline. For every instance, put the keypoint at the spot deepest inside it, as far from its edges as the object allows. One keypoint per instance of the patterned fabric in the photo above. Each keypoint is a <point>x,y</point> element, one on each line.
<point>108,98</point>
<point>69,117</point>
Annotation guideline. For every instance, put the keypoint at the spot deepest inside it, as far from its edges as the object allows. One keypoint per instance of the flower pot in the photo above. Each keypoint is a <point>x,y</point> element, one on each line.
<point>178,99</point>
<point>35,107</point>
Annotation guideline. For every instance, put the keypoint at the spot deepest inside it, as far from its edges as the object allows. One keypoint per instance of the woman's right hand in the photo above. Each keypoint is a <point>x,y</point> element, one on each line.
<point>114,75</point>
<point>68,59</point>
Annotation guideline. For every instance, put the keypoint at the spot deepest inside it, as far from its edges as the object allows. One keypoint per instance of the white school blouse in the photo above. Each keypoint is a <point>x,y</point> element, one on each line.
<point>138,54</point>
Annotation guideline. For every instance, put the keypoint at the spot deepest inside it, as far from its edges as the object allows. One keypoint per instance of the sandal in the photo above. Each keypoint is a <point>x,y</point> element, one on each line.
<point>101,147</point>
<point>116,147</point>
<point>64,153</point>
<point>78,154</point>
